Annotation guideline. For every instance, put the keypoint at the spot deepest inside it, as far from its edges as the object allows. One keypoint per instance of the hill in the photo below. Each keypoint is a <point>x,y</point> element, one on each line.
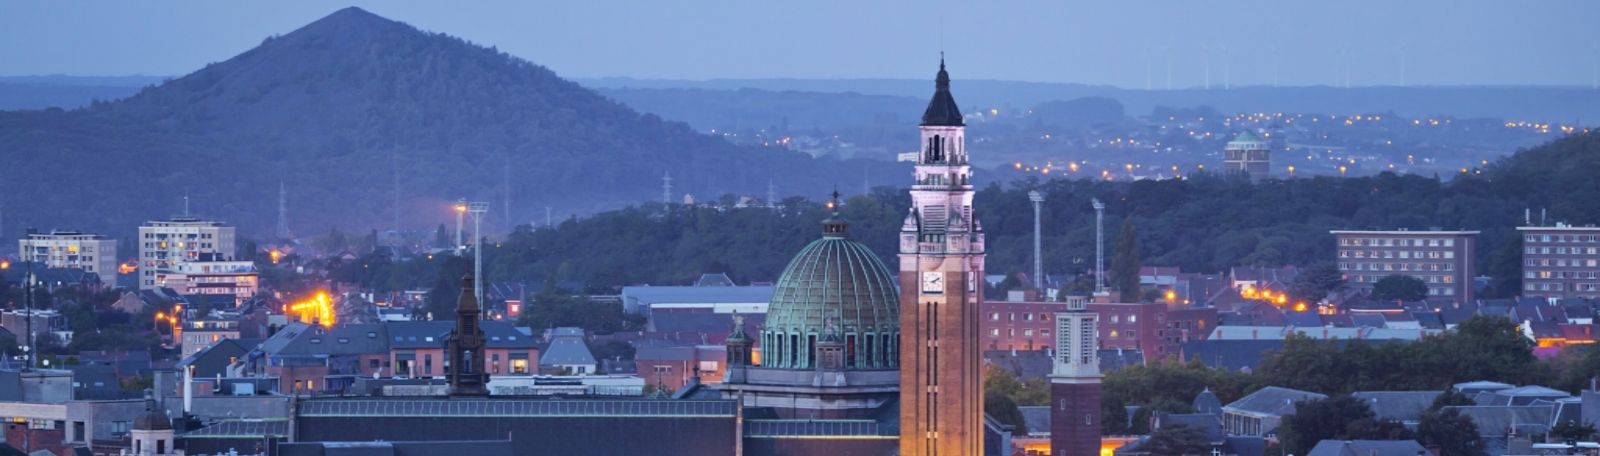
<point>1518,103</point>
<point>1203,223</point>
<point>350,106</point>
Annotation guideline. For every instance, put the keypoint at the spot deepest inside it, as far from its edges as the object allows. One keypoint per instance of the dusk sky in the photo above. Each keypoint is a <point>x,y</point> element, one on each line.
<point>1440,42</point>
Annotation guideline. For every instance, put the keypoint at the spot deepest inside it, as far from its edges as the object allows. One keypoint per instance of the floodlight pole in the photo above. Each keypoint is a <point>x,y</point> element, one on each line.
<point>1099,246</point>
<point>477,210</point>
<point>1038,262</point>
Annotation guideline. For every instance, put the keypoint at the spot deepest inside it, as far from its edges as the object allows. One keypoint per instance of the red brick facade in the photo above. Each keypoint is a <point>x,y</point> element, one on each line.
<point>1075,419</point>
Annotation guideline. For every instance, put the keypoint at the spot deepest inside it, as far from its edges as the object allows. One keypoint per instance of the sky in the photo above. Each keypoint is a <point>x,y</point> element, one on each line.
<point>1131,44</point>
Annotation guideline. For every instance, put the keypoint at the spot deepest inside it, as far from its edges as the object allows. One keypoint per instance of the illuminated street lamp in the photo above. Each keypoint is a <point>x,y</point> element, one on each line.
<point>461,209</point>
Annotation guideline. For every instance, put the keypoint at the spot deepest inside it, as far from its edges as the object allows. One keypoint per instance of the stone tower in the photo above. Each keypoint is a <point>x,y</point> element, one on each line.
<point>1075,383</point>
<point>465,345</point>
<point>941,272</point>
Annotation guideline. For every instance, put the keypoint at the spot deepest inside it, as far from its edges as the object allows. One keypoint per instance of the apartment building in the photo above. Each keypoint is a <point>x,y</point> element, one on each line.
<point>1561,261</point>
<point>193,256</point>
<point>73,249</point>
<point>1442,259</point>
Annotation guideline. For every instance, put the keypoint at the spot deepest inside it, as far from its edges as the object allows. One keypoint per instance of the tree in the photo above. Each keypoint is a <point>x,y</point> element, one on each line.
<point>1451,398</point>
<point>1125,263</point>
<point>1030,392</point>
<point>1177,439</point>
<point>1315,282</point>
<point>1454,433</point>
<point>1317,420</point>
<point>1572,430</point>
<point>441,238</point>
<point>1000,406</point>
<point>1113,415</point>
<point>1400,288</point>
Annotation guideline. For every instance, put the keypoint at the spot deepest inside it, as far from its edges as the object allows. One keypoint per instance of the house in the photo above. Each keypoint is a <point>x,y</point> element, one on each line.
<point>1260,412</point>
<point>672,367</point>
<point>416,348</point>
<point>1367,448</point>
<point>308,358</point>
<point>214,360</point>
<point>568,353</point>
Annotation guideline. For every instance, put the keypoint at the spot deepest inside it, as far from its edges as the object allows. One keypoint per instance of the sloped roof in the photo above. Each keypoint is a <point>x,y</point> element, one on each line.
<point>1367,448</point>
<point>1209,423</point>
<point>1037,418</point>
<point>1367,321</point>
<point>1247,135</point>
<point>566,350</point>
<point>1493,421</point>
<point>1230,354</point>
<point>1272,400</point>
<point>300,339</point>
<point>1405,406</point>
<point>703,322</point>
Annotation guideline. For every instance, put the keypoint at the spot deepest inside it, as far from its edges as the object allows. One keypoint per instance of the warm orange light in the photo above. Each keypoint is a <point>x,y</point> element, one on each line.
<point>276,255</point>
<point>5,264</point>
<point>177,308</point>
<point>461,208</point>
<point>317,310</point>
<point>1299,307</point>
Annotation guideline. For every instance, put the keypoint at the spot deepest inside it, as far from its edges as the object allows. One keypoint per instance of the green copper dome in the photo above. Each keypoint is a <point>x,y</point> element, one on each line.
<point>836,281</point>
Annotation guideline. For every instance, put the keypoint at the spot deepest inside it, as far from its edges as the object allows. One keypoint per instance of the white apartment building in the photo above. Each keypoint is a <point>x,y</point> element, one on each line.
<point>193,256</point>
<point>73,249</point>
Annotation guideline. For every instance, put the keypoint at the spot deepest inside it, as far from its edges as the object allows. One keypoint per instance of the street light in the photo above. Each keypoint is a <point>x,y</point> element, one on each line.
<point>477,210</point>
<point>1099,246</point>
<point>461,208</point>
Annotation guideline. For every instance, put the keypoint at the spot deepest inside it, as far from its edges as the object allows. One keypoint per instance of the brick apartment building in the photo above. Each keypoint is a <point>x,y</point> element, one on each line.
<point>1442,259</point>
<point>1157,328</point>
<point>1561,261</point>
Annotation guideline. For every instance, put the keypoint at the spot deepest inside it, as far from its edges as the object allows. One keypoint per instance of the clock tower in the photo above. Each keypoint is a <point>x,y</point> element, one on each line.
<point>941,277</point>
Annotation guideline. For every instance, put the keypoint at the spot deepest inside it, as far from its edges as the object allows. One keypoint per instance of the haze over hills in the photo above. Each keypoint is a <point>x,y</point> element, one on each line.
<point>1517,103</point>
<point>338,109</point>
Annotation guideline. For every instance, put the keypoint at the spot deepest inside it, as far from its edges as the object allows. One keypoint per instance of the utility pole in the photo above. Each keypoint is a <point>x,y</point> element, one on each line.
<point>27,350</point>
<point>1038,260</point>
<point>477,210</point>
<point>510,225</point>
<point>772,194</point>
<point>397,199</point>
<point>1099,246</point>
<point>547,217</point>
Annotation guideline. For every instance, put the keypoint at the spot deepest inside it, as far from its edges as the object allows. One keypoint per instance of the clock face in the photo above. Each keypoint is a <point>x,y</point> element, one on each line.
<point>932,282</point>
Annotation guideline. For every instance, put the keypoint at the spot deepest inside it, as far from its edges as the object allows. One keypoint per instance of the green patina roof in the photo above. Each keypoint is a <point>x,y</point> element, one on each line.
<point>1247,136</point>
<point>836,278</point>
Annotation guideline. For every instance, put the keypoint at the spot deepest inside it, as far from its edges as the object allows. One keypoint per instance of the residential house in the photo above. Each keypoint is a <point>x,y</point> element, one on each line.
<point>416,348</point>
<point>308,358</point>
<point>567,353</point>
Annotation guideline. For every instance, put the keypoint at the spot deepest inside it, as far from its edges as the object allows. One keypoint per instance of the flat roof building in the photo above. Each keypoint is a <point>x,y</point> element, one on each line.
<point>193,256</point>
<point>72,249</point>
<point>1560,261</point>
<point>1442,259</point>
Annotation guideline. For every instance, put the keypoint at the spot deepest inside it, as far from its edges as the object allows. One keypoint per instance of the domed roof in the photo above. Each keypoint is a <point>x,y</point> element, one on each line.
<point>838,279</point>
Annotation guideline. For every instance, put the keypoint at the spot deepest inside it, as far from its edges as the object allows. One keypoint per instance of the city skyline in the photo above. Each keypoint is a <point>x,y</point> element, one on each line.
<point>1126,45</point>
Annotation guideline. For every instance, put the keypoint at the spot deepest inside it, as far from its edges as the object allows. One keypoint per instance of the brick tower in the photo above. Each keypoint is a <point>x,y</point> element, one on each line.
<point>1075,383</point>
<point>941,269</point>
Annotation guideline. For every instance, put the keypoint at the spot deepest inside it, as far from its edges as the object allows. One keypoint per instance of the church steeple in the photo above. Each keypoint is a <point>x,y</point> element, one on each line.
<point>942,110</point>
<point>465,345</point>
